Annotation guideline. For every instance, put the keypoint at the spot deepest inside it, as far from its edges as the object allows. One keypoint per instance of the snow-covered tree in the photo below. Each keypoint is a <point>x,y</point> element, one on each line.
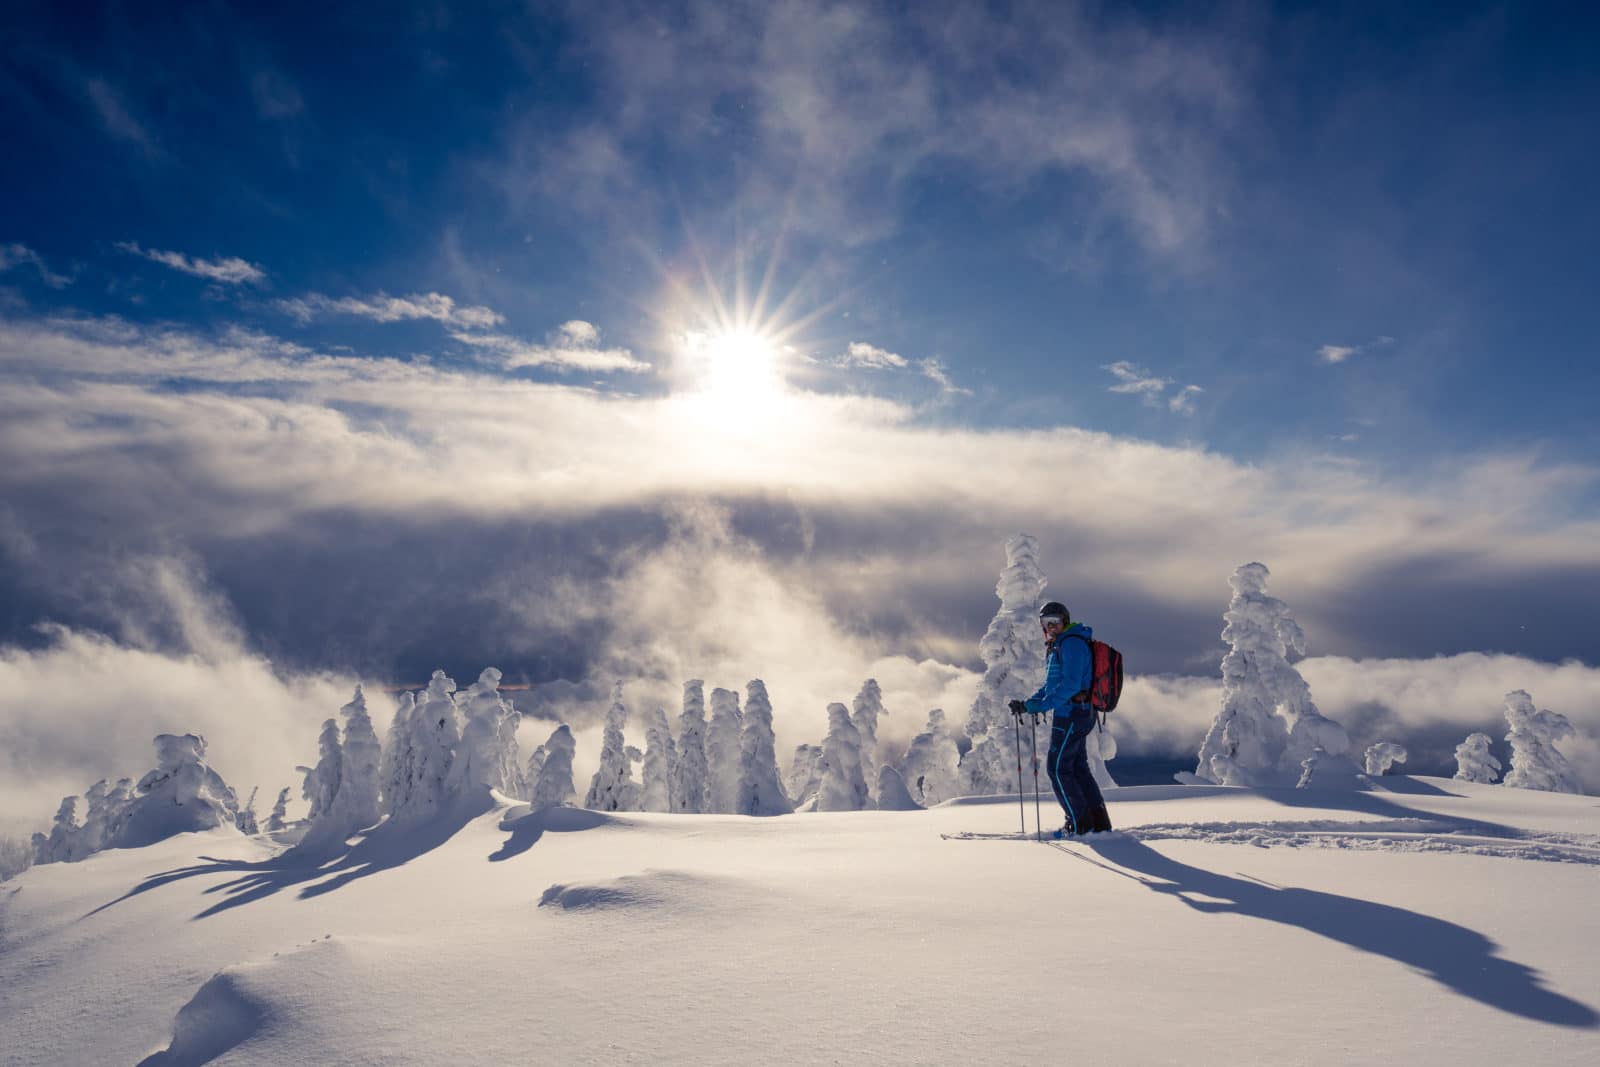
<point>397,766</point>
<point>892,792</point>
<point>536,760</point>
<point>280,812</point>
<point>1383,755</point>
<point>864,713</point>
<point>246,820</point>
<point>183,794</point>
<point>660,764</point>
<point>16,856</point>
<point>1013,656</point>
<point>690,792</point>
<point>60,845</point>
<point>613,787</point>
<point>722,752</point>
<point>432,733</point>
<point>760,792</point>
<point>1474,761</point>
<point>1249,743</point>
<point>321,783</point>
<point>553,787</point>
<point>842,788</point>
<point>804,777</point>
<point>357,802</point>
<point>1536,763</point>
<point>487,757</point>
<point>931,770</point>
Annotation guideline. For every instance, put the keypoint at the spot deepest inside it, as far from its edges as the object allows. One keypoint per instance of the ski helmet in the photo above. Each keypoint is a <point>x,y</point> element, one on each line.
<point>1055,610</point>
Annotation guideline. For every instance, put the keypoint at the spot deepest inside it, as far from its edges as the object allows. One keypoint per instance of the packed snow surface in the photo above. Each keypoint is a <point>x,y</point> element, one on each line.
<point>1424,921</point>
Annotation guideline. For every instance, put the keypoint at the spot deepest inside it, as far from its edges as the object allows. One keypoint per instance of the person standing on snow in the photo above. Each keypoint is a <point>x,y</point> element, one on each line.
<point>1068,677</point>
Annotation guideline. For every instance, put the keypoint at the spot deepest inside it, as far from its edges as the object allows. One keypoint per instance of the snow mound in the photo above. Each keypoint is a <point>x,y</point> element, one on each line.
<point>223,1015</point>
<point>666,891</point>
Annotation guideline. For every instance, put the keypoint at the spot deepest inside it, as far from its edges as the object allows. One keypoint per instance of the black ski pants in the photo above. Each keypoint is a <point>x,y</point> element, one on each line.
<point>1071,730</point>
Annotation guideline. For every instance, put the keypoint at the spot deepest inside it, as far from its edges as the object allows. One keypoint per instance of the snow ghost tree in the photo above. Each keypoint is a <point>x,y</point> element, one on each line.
<point>613,787</point>
<point>932,763</point>
<point>487,758</point>
<point>1474,761</point>
<point>431,734</point>
<point>1248,743</point>
<point>864,713</point>
<point>892,792</point>
<point>280,812</point>
<point>722,752</point>
<point>553,787</point>
<point>181,795</point>
<point>804,777</point>
<point>397,766</point>
<point>246,821</point>
<point>357,802</point>
<point>535,765</point>
<point>660,764</point>
<point>1383,755</point>
<point>1013,656</point>
<point>322,781</point>
<point>690,791</point>
<point>842,787</point>
<point>759,790</point>
<point>1536,763</point>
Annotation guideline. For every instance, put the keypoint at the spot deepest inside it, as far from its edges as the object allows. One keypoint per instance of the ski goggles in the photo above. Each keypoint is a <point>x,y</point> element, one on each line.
<point>1048,619</point>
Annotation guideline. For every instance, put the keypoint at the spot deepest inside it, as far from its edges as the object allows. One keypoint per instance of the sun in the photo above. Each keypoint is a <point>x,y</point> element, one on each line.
<point>735,366</point>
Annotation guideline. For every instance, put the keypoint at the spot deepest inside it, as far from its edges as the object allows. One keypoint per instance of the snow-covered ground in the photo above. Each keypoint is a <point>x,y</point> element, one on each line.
<point>1427,921</point>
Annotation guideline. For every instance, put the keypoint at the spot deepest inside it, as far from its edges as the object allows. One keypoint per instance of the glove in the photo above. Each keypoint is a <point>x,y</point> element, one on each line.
<point>1018,708</point>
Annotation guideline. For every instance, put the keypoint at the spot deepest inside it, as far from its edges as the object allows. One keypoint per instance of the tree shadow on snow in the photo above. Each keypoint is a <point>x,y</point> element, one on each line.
<point>1454,956</point>
<point>321,867</point>
<point>526,829</point>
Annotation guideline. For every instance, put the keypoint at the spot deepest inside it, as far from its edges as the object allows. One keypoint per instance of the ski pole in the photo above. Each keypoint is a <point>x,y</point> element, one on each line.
<point>1021,810</point>
<point>1033,747</point>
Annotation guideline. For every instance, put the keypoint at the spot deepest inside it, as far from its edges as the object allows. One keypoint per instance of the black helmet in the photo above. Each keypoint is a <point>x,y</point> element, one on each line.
<point>1057,610</point>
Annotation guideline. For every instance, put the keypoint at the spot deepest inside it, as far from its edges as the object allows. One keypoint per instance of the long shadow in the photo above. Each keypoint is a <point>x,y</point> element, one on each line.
<point>1454,956</point>
<point>526,829</point>
<point>327,864</point>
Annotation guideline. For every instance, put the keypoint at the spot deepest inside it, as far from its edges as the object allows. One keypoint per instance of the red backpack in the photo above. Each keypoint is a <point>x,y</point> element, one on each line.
<point>1106,689</point>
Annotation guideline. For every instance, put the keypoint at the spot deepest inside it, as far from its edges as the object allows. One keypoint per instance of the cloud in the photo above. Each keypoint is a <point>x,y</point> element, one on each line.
<point>836,109</point>
<point>15,255</point>
<point>1336,353</point>
<point>934,370</point>
<point>1183,401</point>
<point>117,119</point>
<point>228,270</point>
<point>1136,381</point>
<point>574,344</point>
<point>861,354</point>
<point>381,307</point>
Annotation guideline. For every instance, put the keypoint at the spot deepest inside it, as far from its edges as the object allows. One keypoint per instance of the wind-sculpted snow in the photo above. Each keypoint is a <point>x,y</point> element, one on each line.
<point>668,892</point>
<point>221,1017</point>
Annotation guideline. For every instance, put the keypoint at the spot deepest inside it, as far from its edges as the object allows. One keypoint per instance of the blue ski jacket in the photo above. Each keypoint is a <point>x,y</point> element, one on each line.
<point>1069,670</point>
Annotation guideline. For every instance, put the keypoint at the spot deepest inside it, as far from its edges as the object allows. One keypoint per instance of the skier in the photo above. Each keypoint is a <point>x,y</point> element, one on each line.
<point>1069,675</point>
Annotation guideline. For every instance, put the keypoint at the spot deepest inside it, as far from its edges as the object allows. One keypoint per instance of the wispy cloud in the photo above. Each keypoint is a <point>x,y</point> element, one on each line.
<point>574,344</point>
<point>227,270</point>
<point>1336,353</point>
<point>861,354</point>
<point>381,307</point>
<point>1134,380</point>
<point>934,370</point>
<point>117,119</point>
<point>15,255</point>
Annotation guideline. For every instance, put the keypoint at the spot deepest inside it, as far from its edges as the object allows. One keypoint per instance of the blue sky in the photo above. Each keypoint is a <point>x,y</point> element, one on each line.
<point>395,337</point>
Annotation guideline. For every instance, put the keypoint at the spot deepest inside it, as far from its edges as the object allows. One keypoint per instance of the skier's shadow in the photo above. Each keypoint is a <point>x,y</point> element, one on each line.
<point>1460,959</point>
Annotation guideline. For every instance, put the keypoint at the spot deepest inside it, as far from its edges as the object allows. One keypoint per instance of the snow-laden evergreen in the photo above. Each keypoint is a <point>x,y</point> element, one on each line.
<point>553,787</point>
<point>892,792</point>
<point>1474,761</point>
<point>723,752</point>
<point>864,713</point>
<point>246,819</point>
<point>321,783</point>
<point>1013,656</point>
<point>427,747</point>
<point>1536,763</point>
<point>612,788</point>
<point>278,819</point>
<point>931,768</point>
<point>354,804</point>
<point>690,792</point>
<point>535,765</point>
<point>487,757</point>
<point>842,787</point>
<point>760,792</point>
<point>1250,742</point>
<point>659,771</point>
<point>1381,756</point>
<point>804,777</point>
<point>397,764</point>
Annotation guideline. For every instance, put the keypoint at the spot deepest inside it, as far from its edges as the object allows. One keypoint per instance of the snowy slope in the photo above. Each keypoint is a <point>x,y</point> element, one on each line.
<point>1439,923</point>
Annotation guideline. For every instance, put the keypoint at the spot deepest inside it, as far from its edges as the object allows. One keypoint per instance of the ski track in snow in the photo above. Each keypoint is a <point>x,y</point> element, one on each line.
<point>1388,835</point>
